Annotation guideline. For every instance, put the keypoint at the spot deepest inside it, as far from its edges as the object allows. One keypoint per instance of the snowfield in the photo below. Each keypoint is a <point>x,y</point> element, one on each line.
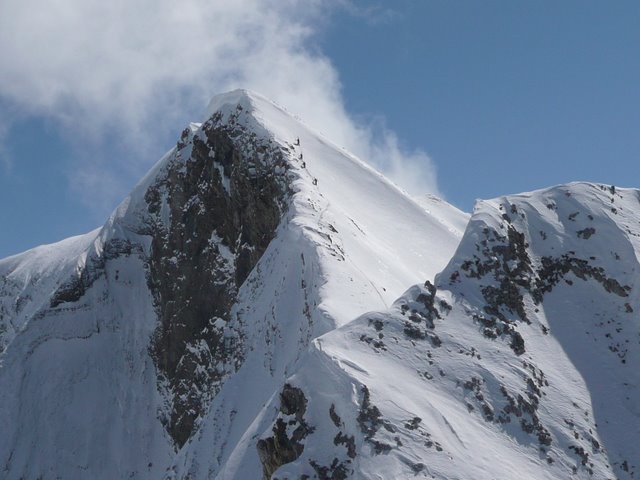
<point>266,305</point>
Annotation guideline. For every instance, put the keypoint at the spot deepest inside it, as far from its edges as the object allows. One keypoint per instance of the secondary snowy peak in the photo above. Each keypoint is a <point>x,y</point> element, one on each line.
<point>157,341</point>
<point>554,273</point>
<point>518,363</point>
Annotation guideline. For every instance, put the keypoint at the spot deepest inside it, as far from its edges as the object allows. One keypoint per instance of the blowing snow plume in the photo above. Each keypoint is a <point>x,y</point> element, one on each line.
<point>126,73</point>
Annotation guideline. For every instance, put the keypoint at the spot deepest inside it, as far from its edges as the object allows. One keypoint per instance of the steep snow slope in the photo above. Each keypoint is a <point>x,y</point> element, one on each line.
<point>453,219</point>
<point>149,347</point>
<point>28,280</point>
<point>521,362</point>
<point>342,204</point>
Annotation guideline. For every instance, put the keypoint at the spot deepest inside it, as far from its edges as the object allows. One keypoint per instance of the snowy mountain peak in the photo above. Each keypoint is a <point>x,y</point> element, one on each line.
<point>165,333</point>
<point>246,99</point>
<point>248,312</point>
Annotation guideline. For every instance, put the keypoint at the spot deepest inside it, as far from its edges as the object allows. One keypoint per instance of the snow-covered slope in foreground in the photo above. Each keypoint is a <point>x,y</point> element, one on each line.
<point>148,348</point>
<point>520,362</point>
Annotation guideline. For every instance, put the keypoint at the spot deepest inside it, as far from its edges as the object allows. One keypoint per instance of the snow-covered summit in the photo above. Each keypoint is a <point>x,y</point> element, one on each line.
<point>244,98</point>
<point>163,335</point>
<point>248,311</point>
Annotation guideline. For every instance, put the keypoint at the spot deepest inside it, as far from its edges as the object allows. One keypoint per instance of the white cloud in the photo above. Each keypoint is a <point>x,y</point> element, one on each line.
<point>5,160</point>
<point>135,71</point>
<point>6,164</point>
<point>372,14</point>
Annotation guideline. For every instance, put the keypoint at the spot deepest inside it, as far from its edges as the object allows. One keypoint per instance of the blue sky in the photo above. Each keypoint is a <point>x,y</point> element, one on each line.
<point>504,96</point>
<point>499,96</point>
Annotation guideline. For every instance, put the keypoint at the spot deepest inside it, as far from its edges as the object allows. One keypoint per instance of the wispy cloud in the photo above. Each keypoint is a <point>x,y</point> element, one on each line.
<point>374,14</point>
<point>6,163</point>
<point>134,72</point>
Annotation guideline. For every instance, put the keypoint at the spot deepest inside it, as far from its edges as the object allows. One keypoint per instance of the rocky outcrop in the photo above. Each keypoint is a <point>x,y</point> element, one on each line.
<point>506,275</point>
<point>212,214</point>
<point>74,288</point>
<point>289,431</point>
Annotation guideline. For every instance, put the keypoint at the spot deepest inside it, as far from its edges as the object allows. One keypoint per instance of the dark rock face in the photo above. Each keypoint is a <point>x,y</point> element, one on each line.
<point>340,467</point>
<point>510,265</point>
<point>370,420</point>
<point>281,448</point>
<point>290,433</point>
<point>335,471</point>
<point>507,273</point>
<point>555,269</point>
<point>421,314</point>
<point>212,214</point>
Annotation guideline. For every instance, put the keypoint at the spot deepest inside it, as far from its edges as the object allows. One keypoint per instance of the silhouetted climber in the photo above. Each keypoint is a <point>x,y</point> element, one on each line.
<point>297,141</point>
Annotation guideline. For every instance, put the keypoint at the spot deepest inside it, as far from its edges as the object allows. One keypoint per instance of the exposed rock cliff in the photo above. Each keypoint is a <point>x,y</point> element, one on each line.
<point>212,213</point>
